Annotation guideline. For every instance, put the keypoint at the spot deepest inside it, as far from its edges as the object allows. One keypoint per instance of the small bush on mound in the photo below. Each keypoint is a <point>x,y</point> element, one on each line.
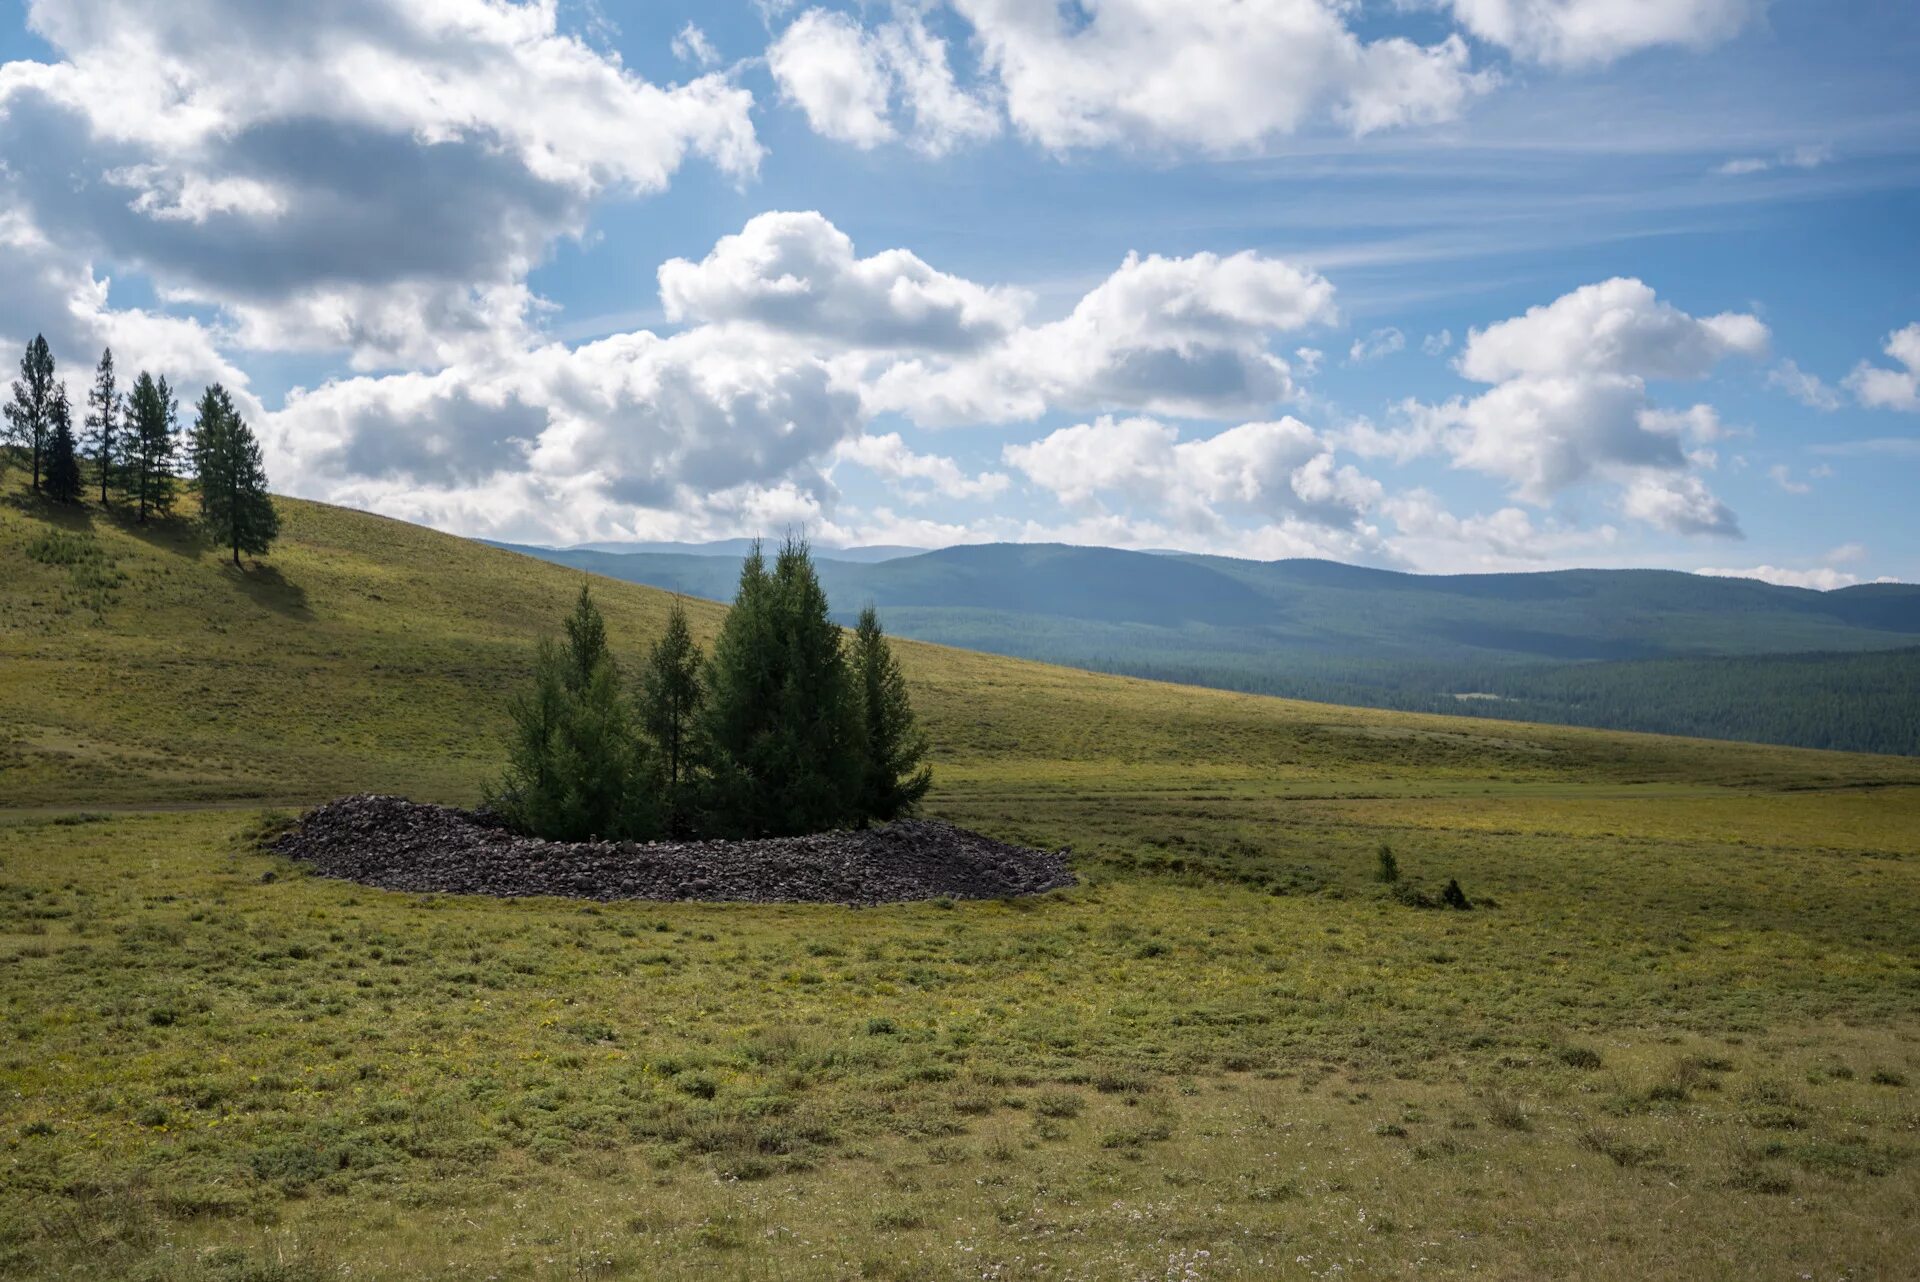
<point>786,728</point>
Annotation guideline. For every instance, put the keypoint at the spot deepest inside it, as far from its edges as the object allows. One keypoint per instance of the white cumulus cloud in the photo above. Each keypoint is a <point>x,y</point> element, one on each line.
<point>1184,336</point>
<point>1593,32</point>
<point>1276,471</point>
<point>798,273</point>
<point>375,175</point>
<point>1217,76</point>
<point>1569,404</point>
<point>1877,387</point>
<point>851,83</point>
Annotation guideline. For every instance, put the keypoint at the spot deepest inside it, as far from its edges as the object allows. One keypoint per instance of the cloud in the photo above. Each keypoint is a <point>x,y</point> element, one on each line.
<point>1890,446</point>
<point>797,273</point>
<point>1435,344</point>
<point>1617,327</point>
<point>1181,336</point>
<point>370,175</point>
<point>1806,388</point>
<point>1431,538</point>
<point>850,82</point>
<point>791,343</point>
<point>1795,158</point>
<point>1278,470</point>
<point>1217,76</point>
<point>584,434</point>
<point>1782,476</point>
<point>690,44</point>
<point>1569,404</point>
<point>828,66</point>
<point>1378,345</point>
<point>1576,33</point>
<point>1680,504</point>
<point>889,456</point>
<point>48,293</point>
<point>1877,387</point>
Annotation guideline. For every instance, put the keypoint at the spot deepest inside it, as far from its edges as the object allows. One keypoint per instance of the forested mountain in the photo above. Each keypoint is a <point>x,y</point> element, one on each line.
<point>1630,649</point>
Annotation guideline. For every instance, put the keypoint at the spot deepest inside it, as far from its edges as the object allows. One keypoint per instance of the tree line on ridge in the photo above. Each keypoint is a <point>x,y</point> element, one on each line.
<point>132,447</point>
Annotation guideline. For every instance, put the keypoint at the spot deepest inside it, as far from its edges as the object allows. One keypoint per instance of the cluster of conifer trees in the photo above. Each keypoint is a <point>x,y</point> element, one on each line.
<point>132,447</point>
<point>788,727</point>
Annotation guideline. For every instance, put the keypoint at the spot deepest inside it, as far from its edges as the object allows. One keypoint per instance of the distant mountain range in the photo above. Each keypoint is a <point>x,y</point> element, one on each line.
<point>1629,649</point>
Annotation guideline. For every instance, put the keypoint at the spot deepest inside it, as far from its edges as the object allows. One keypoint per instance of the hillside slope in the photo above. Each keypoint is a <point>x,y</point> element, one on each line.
<point>1570,646</point>
<point>368,653</point>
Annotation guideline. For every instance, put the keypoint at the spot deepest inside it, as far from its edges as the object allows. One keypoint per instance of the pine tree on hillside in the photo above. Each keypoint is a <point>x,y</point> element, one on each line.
<point>104,442</point>
<point>573,766</point>
<point>29,413</point>
<point>742,684</point>
<point>64,483</point>
<point>152,444</point>
<point>671,694</point>
<point>782,720</point>
<point>586,641</point>
<point>234,502</point>
<point>896,775</point>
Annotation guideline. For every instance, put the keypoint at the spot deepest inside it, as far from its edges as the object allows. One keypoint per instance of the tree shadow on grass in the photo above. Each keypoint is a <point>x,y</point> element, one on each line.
<point>267,586</point>
<point>173,532</point>
<point>75,518</point>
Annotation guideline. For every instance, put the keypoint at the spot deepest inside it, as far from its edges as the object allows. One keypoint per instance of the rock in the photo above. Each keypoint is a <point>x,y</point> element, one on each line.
<point>397,844</point>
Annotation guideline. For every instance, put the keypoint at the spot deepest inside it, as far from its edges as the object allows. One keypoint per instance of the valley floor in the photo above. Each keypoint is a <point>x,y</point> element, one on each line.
<point>1684,1043</point>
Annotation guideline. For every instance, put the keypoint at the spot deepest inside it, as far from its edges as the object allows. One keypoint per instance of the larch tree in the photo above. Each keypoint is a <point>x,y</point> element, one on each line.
<point>234,503</point>
<point>896,775</point>
<point>671,694</point>
<point>104,442</point>
<point>29,414</point>
<point>64,483</point>
<point>573,764</point>
<point>782,720</point>
<point>152,444</point>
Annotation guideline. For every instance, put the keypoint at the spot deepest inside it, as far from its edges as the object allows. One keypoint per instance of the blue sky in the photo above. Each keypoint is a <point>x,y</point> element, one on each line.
<point>1446,285</point>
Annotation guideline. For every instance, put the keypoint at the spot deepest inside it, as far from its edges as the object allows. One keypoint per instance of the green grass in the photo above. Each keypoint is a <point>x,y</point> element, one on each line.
<point>1681,1043</point>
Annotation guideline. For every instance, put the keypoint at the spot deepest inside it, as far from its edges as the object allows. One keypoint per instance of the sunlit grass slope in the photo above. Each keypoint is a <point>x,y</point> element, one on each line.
<point>1683,1038</point>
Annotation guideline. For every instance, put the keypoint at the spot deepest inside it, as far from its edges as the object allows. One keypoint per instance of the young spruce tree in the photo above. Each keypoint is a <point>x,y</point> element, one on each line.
<point>782,720</point>
<point>234,501</point>
<point>573,766</point>
<point>104,441</point>
<point>896,775</point>
<point>671,694</point>
<point>63,456</point>
<point>152,441</point>
<point>29,414</point>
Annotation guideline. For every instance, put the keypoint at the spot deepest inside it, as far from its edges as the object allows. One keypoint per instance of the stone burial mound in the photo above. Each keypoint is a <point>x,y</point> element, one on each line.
<point>397,844</point>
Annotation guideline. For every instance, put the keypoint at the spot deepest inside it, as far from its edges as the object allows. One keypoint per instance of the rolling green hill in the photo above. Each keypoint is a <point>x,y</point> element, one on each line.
<point>1624,649</point>
<point>1686,1000</point>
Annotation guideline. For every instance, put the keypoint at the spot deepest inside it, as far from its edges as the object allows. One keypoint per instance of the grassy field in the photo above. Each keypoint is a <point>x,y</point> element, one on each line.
<point>1679,1037</point>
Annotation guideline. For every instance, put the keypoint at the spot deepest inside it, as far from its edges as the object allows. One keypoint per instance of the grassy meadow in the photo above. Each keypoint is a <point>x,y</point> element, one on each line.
<point>1680,1036</point>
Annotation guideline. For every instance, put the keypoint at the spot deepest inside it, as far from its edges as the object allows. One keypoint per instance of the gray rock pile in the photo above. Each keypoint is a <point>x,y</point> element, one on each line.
<point>402,845</point>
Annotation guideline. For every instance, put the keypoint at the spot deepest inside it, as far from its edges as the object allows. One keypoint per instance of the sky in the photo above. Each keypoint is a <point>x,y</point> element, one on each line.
<point>1437,285</point>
